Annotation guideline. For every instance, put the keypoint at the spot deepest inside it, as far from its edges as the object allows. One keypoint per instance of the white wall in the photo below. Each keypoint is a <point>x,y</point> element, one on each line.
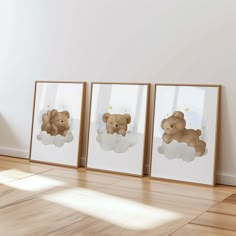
<point>171,41</point>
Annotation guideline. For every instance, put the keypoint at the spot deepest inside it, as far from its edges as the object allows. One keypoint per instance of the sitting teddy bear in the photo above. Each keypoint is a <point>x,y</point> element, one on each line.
<point>55,122</point>
<point>116,123</point>
<point>174,129</point>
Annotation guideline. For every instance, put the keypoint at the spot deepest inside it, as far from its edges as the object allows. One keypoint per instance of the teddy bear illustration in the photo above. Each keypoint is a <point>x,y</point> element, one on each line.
<point>174,129</point>
<point>116,123</point>
<point>54,122</point>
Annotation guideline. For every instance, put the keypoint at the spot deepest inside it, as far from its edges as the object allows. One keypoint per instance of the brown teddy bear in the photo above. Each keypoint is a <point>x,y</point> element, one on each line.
<point>55,122</point>
<point>174,129</point>
<point>116,123</point>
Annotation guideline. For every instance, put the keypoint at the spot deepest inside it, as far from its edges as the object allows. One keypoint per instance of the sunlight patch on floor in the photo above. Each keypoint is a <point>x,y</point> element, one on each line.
<point>35,183</point>
<point>12,174</point>
<point>115,210</point>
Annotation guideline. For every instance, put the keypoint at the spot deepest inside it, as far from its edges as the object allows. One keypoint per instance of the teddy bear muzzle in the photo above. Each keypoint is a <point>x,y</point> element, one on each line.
<point>62,123</point>
<point>116,123</point>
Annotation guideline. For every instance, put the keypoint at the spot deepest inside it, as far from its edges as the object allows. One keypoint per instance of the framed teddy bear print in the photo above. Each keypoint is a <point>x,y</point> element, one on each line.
<point>117,129</point>
<point>57,122</point>
<point>185,133</point>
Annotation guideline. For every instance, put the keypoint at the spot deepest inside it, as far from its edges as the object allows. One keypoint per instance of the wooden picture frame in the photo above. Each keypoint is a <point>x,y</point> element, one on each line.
<point>119,149</point>
<point>57,123</point>
<point>186,123</point>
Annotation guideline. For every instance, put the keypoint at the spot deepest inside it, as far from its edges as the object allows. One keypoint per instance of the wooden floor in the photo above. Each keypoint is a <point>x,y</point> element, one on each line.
<point>38,199</point>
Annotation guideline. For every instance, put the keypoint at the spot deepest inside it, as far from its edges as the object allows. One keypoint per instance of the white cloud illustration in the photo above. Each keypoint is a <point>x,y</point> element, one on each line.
<point>176,150</point>
<point>116,142</point>
<point>57,140</point>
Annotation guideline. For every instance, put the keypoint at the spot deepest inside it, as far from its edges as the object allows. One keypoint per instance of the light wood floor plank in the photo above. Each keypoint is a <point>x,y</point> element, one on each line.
<point>198,230</point>
<point>9,175</point>
<point>85,175</point>
<point>231,199</point>
<point>177,189</point>
<point>38,199</point>
<point>224,208</point>
<point>217,221</point>
<point>25,167</point>
<point>182,204</point>
<point>44,217</point>
<point>13,159</point>
<point>228,206</point>
<point>170,215</point>
<point>19,190</point>
<point>73,182</point>
<point>36,217</point>
<point>225,188</point>
<point>88,227</point>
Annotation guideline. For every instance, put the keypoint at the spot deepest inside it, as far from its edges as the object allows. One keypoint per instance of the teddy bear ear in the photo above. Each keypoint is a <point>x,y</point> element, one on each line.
<point>179,114</point>
<point>53,113</point>
<point>128,118</point>
<point>105,117</point>
<point>162,123</point>
<point>67,113</point>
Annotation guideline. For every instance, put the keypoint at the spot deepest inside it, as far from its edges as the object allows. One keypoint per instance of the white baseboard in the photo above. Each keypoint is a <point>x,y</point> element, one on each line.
<point>14,152</point>
<point>226,179</point>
